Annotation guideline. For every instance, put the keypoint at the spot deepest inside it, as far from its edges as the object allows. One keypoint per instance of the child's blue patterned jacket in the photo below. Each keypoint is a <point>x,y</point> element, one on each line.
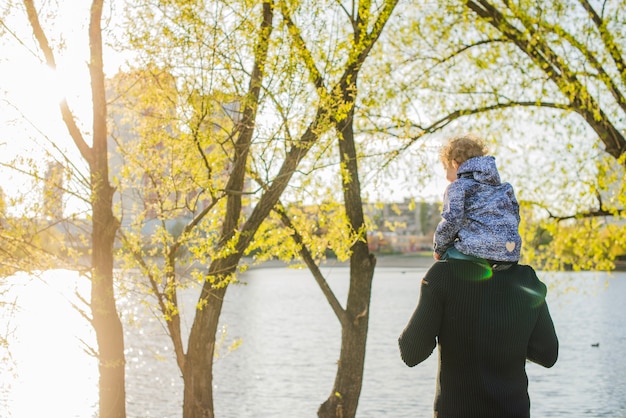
<point>480,214</point>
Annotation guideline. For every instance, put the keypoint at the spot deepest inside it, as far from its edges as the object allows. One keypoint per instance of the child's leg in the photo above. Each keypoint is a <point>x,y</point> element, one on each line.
<point>453,253</point>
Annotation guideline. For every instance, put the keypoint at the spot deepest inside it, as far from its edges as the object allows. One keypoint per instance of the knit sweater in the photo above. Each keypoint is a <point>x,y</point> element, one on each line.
<point>480,215</point>
<point>486,324</point>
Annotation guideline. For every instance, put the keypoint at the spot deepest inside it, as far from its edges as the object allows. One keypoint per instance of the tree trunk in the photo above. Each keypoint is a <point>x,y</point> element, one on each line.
<point>198,373</point>
<point>198,368</point>
<point>105,319</point>
<point>344,398</point>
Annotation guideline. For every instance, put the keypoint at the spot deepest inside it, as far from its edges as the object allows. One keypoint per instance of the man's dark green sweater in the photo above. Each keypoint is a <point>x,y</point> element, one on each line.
<point>487,324</point>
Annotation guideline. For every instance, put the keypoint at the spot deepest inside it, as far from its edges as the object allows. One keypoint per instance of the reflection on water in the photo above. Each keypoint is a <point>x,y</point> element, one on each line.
<point>48,373</point>
<point>286,364</point>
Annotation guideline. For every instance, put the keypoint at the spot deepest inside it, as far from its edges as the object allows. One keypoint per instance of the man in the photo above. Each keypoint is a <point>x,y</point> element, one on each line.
<point>487,322</point>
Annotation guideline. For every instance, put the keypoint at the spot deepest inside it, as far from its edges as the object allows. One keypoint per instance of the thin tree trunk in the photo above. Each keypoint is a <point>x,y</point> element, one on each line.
<point>198,373</point>
<point>344,398</point>
<point>106,321</point>
<point>198,367</point>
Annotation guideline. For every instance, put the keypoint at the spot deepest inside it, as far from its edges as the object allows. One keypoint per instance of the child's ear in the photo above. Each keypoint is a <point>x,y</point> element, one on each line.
<point>455,164</point>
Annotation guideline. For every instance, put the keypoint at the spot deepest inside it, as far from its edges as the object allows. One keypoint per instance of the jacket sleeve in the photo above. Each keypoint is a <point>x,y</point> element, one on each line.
<point>514,202</point>
<point>543,346</point>
<point>418,339</point>
<point>452,214</point>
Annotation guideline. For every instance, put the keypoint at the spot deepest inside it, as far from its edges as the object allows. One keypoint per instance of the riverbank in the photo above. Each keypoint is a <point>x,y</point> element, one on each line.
<point>382,260</point>
<point>419,260</point>
<point>414,260</point>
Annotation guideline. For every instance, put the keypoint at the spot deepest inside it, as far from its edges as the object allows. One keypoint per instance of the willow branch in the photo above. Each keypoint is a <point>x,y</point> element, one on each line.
<point>313,267</point>
<point>556,70</point>
<point>607,38</point>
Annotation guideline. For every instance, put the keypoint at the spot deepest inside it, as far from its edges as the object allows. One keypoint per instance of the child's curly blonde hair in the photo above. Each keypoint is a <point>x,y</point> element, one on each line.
<point>461,149</point>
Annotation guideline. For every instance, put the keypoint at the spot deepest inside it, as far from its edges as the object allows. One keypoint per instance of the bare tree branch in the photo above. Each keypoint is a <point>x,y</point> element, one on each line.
<point>68,117</point>
<point>555,68</point>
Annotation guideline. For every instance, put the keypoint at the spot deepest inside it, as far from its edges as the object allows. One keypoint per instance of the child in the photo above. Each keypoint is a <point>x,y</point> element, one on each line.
<point>480,214</point>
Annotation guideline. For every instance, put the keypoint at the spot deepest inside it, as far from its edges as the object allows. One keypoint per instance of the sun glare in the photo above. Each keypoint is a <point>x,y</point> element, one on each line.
<point>49,373</point>
<point>55,85</point>
<point>69,82</point>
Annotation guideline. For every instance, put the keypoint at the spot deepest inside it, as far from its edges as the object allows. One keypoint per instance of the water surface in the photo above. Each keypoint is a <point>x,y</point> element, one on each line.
<point>286,362</point>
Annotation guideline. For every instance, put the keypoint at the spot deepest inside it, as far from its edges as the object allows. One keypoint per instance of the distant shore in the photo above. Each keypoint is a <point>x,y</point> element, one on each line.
<point>382,260</point>
<point>419,260</point>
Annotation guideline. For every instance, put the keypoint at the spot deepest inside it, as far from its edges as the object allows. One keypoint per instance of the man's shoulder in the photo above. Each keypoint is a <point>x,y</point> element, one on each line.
<point>438,272</point>
<point>528,278</point>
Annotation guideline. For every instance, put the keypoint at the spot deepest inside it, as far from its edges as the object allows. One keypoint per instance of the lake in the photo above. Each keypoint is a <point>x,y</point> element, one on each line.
<point>289,345</point>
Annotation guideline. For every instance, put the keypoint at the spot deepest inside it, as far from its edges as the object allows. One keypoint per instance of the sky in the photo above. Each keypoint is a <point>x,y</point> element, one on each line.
<point>29,113</point>
<point>30,91</point>
<point>33,90</point>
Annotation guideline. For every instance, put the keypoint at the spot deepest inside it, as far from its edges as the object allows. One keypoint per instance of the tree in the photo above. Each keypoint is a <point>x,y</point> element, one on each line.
<point>222,181</point>
<point>104,315</point>
<point>305,114</point>
<point>580,52</point>
<point>550,43</point>
<point>367,27</point>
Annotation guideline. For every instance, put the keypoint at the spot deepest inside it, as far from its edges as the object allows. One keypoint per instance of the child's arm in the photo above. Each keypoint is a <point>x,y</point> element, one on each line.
<point>514,202</point>
<point>452,218</point>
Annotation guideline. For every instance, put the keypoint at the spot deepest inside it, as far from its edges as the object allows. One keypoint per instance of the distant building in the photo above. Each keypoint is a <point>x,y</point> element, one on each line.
<point>405,227</point>
<point>142,197</point>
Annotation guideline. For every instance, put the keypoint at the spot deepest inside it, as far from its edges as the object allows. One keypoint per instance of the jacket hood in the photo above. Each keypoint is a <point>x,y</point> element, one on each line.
<point>482,169</point>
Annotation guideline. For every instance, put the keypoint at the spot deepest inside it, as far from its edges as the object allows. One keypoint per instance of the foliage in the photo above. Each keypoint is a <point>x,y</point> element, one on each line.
<point>323,228</point>
<point>171,168</point>
<point>574,244</point>
<point>579,238</point>
<point>544,83</point>
<point>286,107</point>
<point>34,236</point>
